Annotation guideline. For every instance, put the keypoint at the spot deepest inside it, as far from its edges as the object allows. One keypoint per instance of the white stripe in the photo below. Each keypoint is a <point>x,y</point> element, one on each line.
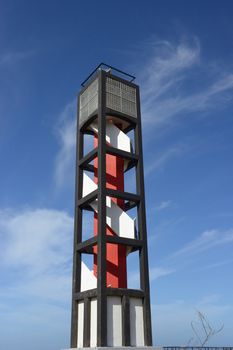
<point>119,221</point>
<point>114,136</point>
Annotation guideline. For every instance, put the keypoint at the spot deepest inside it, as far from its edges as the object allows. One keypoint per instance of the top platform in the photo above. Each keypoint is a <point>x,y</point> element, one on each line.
<point>109,68</point>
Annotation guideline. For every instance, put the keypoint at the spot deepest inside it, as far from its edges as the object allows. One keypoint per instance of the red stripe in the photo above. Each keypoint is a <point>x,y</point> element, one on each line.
<point>116,254</point>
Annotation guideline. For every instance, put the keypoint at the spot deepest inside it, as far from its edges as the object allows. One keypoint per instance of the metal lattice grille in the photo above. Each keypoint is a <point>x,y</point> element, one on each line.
<point>88,101</point>
<point>121,97</point>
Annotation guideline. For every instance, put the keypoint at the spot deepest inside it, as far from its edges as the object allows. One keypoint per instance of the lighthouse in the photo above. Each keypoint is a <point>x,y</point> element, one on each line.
<point>105,311</point>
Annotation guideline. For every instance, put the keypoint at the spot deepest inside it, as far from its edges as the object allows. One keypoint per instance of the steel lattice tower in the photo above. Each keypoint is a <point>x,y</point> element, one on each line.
<point>104,311</point>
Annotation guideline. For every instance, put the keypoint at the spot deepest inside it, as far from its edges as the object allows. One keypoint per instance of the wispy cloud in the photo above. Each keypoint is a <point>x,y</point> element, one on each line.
<point>165,156</point>
<point>155,273</point>
<point>190,252</point>
<point>35,270</point>
<point>163,205</point>
<point>165,93</point>
<point>66,133</point>
<point>8,58</point>
<point>158,272</point>
<point>166,65</point>
<point>207,240</point>
<point>217,264</point>
<point>37,246</point>
<point>65,160</point>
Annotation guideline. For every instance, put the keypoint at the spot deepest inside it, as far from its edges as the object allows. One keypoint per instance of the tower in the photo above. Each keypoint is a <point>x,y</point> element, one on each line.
<point>105,312</point>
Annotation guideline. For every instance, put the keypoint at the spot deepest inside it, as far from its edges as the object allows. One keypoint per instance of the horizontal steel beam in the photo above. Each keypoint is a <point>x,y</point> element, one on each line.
<point>84,162</point>
<point>92,293</point>
<point>122,116</point>
<point>85,201</point>
<point>88,158</point>
<point>136,243</point>
<point>134,293</point>
<point>89,167</point>
<point>89,243</point>
<point>84,127</point>
<point>130,205</point>
<point>123,195</point>
<point>120,153</point>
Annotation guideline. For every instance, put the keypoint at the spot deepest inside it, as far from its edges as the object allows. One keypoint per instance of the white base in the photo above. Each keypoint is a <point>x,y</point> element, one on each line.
<point>114,324</point>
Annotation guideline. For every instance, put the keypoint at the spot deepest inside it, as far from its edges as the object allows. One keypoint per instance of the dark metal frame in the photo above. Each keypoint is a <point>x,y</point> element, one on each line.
<point>131,200</point>
<point>101,66</point>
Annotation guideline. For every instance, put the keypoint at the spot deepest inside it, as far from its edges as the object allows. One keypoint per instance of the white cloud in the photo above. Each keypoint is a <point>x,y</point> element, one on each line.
<point>65,160</point>
<point>158,272</point>
<point>217,264</point>
<point>164,65</point>
<point>38,239</point>
<point>190,252</point>
<point>154,272</point>
<point>42,287</point>
<point>164,96</point>
<point>163,205</point>
<point>35,270</point>
<point>163,158</point>
<point>7,58</point>
<point>36,245</point>
<point>172,321</point>
<point>164,93</point>
<point>207,240</point>
<point>64,173</point>
<point>209,299</point>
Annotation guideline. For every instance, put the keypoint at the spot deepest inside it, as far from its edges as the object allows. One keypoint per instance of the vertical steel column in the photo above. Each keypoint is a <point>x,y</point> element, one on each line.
<point>125,320</point>
<point>87,323</point>
<point>77,233</point>
<point>101,247</point>
<point>144,268</point>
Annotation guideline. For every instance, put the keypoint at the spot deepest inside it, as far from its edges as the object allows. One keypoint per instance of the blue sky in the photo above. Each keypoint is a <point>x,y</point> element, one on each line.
<point>182,54</point>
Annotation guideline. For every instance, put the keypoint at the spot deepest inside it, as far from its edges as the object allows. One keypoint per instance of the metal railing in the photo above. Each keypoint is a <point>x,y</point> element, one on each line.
<point>109,68</point>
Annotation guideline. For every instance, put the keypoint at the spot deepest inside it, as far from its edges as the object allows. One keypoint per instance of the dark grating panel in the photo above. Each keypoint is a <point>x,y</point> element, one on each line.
<point>88,101</point>
<point>121,97</point>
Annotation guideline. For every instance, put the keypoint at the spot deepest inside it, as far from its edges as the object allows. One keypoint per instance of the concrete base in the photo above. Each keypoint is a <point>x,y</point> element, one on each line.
<point>114,323</point>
